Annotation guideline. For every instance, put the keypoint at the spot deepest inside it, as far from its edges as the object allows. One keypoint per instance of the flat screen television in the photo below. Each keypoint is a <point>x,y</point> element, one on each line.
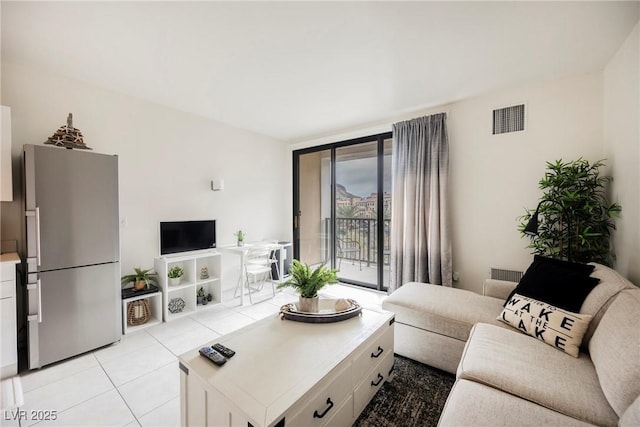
<point>187,236</point>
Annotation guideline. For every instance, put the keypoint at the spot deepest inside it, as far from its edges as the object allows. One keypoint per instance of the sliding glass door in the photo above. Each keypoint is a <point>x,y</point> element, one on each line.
<point>313,237</point>
<point>342,208</point>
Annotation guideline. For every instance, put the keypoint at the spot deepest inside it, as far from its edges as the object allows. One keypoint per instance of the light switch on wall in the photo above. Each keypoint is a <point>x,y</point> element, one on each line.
<point>217,185</point>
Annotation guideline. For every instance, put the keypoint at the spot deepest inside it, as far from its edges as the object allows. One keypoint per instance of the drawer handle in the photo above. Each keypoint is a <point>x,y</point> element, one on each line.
<point>380,378</point>
<point>378,353</point>
<point>329,406</point>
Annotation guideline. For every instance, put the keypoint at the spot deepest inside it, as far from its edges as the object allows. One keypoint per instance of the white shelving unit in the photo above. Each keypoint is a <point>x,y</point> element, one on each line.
<point>155,305</point>
<point>190,283</point>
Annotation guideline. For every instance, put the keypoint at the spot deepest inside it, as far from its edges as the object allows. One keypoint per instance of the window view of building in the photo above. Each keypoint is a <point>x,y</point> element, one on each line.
<point>351,206</point>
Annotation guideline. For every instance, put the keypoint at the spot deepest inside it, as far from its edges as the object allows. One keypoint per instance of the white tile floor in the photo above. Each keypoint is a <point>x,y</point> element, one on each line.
<point>136,382</point>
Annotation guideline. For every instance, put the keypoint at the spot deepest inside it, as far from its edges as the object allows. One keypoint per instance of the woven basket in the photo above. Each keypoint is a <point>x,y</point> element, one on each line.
<point>138,312</point>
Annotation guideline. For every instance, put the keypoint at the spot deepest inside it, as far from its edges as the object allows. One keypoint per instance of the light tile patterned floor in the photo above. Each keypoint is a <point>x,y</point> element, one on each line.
<point>136,382</point>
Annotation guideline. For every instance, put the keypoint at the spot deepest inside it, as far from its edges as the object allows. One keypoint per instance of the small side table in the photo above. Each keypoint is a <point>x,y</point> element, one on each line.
<point>155,306</point>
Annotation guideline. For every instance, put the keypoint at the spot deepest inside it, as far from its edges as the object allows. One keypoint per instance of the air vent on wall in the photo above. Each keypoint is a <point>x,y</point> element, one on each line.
<point>509,275</point>
<point>508,119</point>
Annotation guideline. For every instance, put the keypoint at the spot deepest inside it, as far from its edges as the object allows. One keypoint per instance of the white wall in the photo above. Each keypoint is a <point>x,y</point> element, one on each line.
<point>494,178</point>
<point>167,159</point>
<point>622,147</point>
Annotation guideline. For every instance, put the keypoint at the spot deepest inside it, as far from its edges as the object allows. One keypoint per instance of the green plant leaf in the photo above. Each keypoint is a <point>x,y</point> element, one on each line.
<point>307,282</point>
<point>575,218</point>
<point>146,275</point>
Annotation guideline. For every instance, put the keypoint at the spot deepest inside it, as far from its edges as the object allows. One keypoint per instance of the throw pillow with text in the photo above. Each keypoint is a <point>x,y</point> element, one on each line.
<point>559,328</point>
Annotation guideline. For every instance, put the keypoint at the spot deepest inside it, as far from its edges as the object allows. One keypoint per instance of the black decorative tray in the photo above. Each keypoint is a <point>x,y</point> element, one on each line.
<point>130,293</point>
<point>326,313</point>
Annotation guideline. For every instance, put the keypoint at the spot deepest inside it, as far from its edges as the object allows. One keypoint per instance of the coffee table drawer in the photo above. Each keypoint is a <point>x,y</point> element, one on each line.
<point>325,404</point>
<point>344,415</point>
<point>374,352</point>
<point>372,383</point>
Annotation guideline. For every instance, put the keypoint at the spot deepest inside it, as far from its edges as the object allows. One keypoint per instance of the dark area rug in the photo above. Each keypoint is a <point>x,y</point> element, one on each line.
<point>415,397</point>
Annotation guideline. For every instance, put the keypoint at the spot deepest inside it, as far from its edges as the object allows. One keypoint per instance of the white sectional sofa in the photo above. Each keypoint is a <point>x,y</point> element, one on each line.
<point>504,377</point>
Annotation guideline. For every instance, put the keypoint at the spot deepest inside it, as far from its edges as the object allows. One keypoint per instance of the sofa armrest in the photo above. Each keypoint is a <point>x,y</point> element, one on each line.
<point>497,288</point>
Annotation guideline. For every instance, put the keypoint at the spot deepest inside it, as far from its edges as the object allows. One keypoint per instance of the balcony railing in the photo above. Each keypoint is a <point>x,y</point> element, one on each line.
<point>357,240</point>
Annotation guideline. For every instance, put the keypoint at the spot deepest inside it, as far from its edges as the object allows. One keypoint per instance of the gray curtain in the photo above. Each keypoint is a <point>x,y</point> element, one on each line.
<point>420,238</point>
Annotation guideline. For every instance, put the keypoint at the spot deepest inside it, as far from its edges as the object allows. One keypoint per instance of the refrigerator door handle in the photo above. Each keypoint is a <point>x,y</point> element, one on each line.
<point>38,242</point>
<point>36,214</point>
<point>38,288</point>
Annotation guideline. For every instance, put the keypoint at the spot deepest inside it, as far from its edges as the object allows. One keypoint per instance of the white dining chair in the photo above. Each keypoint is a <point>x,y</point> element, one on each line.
<point>258,265</point>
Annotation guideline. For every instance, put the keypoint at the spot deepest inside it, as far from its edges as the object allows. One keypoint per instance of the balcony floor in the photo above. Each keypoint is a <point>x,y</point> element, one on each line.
<point>350,270</point>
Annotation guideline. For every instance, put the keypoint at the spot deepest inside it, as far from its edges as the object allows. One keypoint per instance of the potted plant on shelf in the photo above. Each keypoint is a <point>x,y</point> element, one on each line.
<point>240,237</point>
<point>175,273</point>
<point>307,283</point>
<point>201,297</point>
<point>141,278</point>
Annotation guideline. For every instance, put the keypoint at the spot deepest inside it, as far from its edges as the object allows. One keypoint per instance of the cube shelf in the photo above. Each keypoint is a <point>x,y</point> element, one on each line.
<point>155,304</point>
<point>200,270</point>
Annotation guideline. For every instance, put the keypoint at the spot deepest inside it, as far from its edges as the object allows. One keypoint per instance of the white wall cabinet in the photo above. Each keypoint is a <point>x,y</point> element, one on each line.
<point>6,183</point>
<point>8,327</point>
<point>184,294</point>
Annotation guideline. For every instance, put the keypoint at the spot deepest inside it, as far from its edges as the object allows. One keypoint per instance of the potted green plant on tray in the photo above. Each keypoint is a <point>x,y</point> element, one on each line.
<point>175,273</point>
<point>307,283</point>
<point>141,278</point>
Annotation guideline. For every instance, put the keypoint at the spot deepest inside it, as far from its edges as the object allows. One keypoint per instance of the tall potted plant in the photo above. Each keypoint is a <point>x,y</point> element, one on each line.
<point>307,283</point>
<point>576,218</point>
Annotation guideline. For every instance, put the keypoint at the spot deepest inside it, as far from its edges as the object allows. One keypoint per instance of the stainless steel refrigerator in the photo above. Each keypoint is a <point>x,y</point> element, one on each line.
<point>73,254</point>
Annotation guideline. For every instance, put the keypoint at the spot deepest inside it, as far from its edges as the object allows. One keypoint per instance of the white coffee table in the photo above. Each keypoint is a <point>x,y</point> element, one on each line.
<point>288,373</point>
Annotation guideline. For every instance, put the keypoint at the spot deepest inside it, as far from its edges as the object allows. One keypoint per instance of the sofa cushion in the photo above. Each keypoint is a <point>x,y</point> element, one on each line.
<point>631,417</point>
<point>516,364</point>
<point>474,404</point>
<point>498,288</point>
<point>560,283</point>
<point>559,328</point>
<point>432,349</point>
<point>615,350</point>
<point>446,311</point>
<point>598,300</point>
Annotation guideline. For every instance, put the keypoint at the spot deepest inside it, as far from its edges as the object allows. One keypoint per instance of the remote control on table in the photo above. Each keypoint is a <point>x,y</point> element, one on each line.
<point>226,352</point>
<point>213,355</point>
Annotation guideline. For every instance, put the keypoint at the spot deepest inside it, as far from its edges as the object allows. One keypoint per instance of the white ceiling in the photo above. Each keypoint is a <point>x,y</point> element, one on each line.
<point>299,70</point>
